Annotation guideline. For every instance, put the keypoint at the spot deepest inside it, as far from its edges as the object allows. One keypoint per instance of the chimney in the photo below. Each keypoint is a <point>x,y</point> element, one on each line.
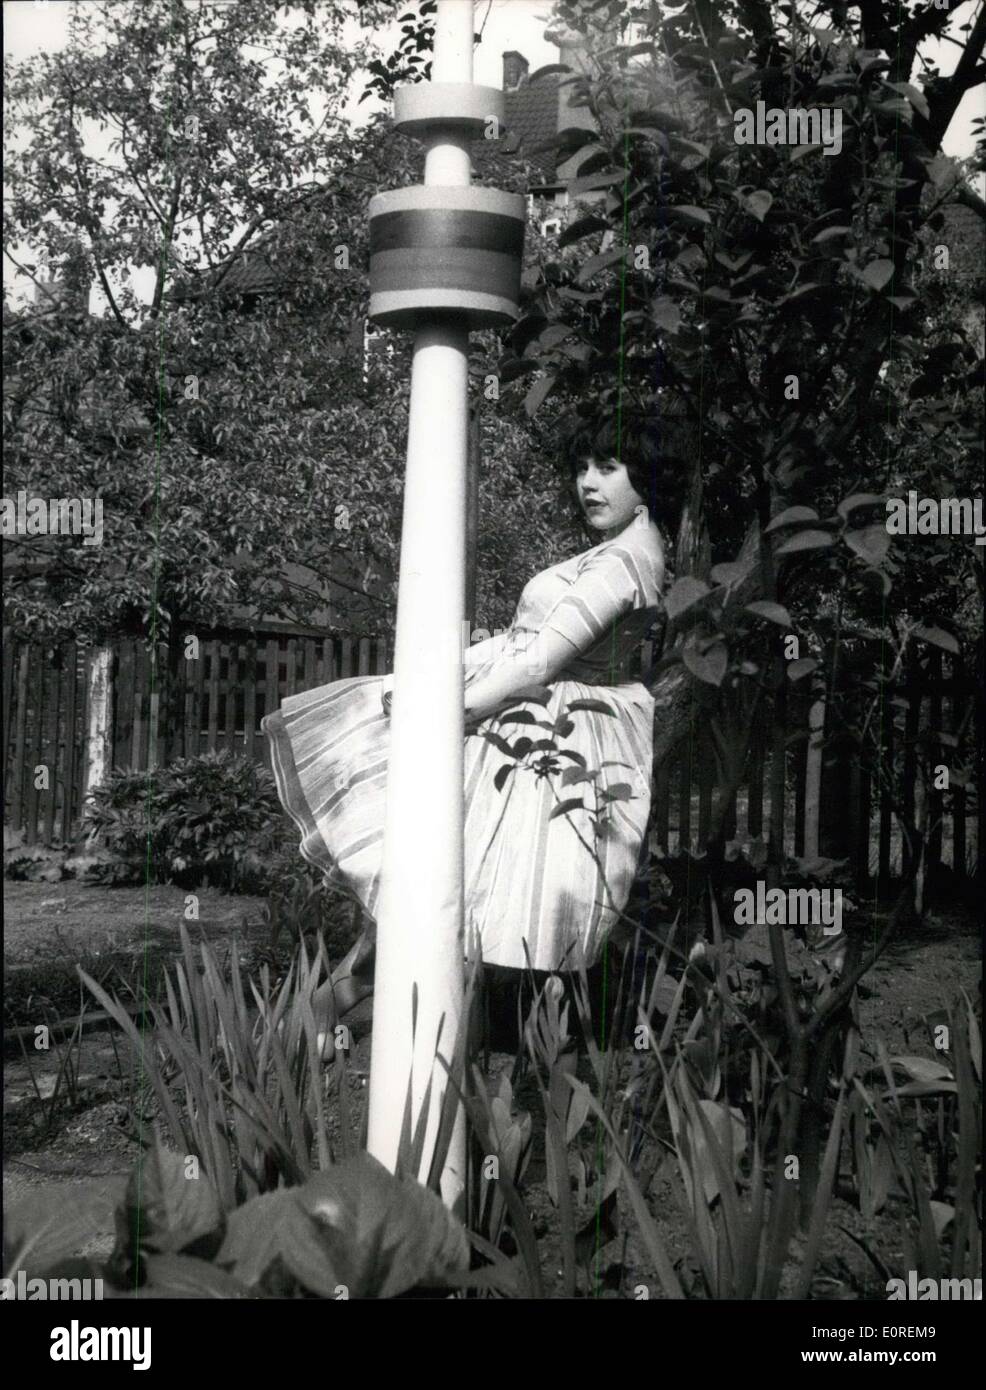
<point>515,70</point>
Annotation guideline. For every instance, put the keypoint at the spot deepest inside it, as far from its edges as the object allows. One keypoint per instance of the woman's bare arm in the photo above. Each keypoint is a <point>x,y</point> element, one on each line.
<point>548,654</point>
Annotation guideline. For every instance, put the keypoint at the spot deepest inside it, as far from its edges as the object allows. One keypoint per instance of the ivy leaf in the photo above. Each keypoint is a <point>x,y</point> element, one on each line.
<point>603,261</point>
<point>858,499</point>
<point>687,212</point>
<point>596,706</point>
<point>593,157</point>
<point>686,592</point>
<point>735,264</point>
<point>800,292</point>
<point>581,227</point>
<point>806,540</point>
<point>502,773</point>
<point>870,543</point>
<point>830,234</point>
<point>525,330</point>
<point>937,637</point>
<point>518,367</point>
<point>709,666</point>
<point>802,667</point>
<point>790,517</point>
<point>594,181</point>
<point>914,95</point>
<point>571,775</point>
<point>619,791</point>
<point>538,393</point>
<point>666,314</point>
<point>658,119</point>
<point>554,334</point>
<point>878,274</point>
<point>758,203</point>
<point>773,612</point>
<point>499,743</point>
<point>729,572</point>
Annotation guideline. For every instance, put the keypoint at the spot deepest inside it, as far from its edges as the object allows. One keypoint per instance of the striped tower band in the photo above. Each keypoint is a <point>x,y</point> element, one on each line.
<point>445,248</point>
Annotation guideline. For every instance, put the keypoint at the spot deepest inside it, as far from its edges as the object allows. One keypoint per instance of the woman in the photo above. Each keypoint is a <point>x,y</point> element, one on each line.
<point>540,889</point>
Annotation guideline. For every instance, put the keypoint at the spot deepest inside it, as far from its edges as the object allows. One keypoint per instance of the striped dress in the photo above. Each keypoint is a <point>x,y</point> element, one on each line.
<point>553,884</point>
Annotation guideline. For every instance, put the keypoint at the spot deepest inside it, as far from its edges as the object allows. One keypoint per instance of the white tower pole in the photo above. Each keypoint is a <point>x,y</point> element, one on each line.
<point>420,916</point>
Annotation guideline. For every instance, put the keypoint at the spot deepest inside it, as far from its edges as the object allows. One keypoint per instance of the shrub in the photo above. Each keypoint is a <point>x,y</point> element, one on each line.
<point>213,819</point>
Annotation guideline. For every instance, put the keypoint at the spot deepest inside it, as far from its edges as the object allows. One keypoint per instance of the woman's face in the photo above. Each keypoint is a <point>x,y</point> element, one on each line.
<point>606,495</point>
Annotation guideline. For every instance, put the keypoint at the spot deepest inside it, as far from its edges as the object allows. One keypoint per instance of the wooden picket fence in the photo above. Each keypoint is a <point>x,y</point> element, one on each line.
<point>227,686</point>
<point>944,708</point>
<point>223,692</point>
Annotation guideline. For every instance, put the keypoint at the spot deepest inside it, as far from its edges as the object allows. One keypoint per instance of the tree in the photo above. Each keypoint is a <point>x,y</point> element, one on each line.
<point>775,291</point>
<point>228,433</point>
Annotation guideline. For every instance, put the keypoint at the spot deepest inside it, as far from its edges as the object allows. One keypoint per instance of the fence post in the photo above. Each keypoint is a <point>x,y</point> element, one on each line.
<point>20,739</point>
<point>70,798</point>
<point>778,769</point>
<point>958,796</point>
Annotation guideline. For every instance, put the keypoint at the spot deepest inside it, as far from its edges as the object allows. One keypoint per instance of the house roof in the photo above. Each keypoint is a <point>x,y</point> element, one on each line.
<point>251,273</point>
<point>531,116</point>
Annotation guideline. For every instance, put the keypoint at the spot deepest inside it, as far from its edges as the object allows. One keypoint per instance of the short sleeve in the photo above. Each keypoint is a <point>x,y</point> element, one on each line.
<point>611,584</point>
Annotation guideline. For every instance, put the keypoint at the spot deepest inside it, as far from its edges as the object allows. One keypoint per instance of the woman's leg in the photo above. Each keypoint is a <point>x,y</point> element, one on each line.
<point>350,982</point>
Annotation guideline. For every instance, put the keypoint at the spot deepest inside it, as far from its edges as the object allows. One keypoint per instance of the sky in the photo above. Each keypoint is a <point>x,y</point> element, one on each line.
<point>35,26</point>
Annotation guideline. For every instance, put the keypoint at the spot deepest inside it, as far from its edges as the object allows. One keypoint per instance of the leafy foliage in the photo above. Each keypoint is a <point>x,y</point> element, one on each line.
<point>214,819</point>
<point>248,451</point>
<point>790,300</point>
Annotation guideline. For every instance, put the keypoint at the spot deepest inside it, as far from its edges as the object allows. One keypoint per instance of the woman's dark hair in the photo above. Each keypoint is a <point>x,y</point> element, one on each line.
<point>655,448</point>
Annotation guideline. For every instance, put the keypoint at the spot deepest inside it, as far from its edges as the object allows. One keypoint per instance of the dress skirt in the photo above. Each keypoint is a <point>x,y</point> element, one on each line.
<point>539,888</point>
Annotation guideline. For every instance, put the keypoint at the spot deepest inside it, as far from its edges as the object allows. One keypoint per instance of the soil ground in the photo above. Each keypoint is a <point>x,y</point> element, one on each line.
<point>82,1142</point>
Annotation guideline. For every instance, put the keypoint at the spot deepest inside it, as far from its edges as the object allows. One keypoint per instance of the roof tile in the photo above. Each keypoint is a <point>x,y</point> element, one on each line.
<point>531,113</point>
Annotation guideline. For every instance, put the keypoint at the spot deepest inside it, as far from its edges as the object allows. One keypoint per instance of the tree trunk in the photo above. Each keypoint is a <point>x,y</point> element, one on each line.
<point>813,778</point>
<point>99,736</point>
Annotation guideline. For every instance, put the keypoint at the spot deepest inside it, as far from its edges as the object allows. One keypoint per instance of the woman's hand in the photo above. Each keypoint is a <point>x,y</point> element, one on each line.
<point>547,656</point>
<point>472,721</point>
